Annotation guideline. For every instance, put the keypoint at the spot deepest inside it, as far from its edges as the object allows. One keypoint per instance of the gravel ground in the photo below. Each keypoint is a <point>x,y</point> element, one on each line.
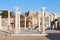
<point>52,35</point>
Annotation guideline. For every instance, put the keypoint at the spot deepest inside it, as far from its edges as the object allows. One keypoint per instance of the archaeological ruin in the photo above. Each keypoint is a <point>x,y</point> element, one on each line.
<point>30,22</point>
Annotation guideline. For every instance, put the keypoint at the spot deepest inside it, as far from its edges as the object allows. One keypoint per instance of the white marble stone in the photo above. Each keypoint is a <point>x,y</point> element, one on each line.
<point>25,24</point>
<point>43,19</point>
<point>19,22</point>
<point>16,20</point>
<point>49,22</point>
<point>39,22</point>
<point>8,19</point>
<point>0,22</point>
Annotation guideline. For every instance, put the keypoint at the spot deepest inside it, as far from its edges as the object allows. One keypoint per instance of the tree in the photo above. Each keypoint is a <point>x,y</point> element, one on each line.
<point>21,16</point>
<point>5,14</point>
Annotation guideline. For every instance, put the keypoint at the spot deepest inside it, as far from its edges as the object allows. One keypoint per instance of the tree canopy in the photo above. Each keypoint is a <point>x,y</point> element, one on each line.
<point>21,16</point>
<point>5,14</point>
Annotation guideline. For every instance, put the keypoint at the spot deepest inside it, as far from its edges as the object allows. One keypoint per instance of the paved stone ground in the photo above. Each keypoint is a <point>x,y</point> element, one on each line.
<point>27,31</point>
<point>52,35</point>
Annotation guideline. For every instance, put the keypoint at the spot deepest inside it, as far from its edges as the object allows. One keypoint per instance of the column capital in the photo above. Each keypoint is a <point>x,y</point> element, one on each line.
<point>16,8</point>
<point>43,8</point>
<point>9,10</point>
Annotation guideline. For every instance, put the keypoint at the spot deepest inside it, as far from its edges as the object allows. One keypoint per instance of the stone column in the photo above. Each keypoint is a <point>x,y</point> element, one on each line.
<point>25,23</point>
<point>8,19</point>
<point>52,19</point>
<point>39,22</point>
<point>32,22</point>
<point>55,17</point>
<point>19,21</point>
<point>16,20</point>
<point>49,23</point>
<point>0,21</point>
<point>43,19</point>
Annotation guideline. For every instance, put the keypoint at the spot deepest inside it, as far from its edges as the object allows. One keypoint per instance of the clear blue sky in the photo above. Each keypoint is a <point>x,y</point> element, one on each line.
<point>34,5</point>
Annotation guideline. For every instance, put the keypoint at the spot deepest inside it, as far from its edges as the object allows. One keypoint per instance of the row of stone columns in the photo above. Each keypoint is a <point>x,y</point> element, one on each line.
<point>52,17</point>
<point>17,20</point>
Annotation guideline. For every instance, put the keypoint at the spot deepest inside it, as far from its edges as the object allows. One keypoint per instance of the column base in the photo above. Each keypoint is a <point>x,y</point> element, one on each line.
<point>29,34</point>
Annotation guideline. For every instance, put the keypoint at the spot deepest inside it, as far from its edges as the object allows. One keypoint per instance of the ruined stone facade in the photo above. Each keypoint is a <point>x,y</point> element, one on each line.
<point>31,14</point>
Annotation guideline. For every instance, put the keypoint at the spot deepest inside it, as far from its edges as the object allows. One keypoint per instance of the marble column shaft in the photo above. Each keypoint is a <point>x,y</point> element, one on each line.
<point>43,20</point>
<point>25,23</point>
<point>16,20</point>
<point>39,22</point>
<point>8,19</point>
<point>49,23</point>
<point>19,21</point>
<point>0,21</point>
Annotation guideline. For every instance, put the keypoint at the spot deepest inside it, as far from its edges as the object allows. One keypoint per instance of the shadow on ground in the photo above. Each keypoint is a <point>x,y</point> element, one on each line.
<point>53,36</point>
